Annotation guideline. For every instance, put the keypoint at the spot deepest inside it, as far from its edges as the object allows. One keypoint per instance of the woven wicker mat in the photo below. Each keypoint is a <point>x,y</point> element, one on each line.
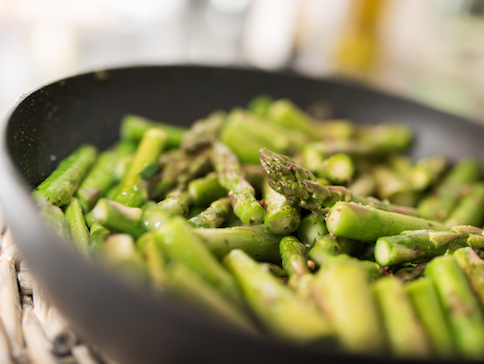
<point>31,329</point>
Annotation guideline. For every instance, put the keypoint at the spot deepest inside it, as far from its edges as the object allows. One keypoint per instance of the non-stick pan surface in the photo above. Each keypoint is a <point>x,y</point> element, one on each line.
<point>41,128</point>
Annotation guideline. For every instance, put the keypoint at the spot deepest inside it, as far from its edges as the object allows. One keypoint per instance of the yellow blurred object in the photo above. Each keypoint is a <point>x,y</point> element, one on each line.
<point>358,49</point>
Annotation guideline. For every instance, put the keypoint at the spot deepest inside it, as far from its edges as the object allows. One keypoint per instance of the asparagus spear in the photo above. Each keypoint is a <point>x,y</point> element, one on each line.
<point>473,267</point>
<point>364,185</point>
<point>133,191</point>
<point>394,187</point>
<point>259,105</point>
<point>98,180</point>
<point>120,254</point>
<point>206,189</point>
<point>470,209</point>
<point>58,188</point>
<point>176,203</point>
<point>274,304</point>
<point>203,132</point>
<point>392,138</point>
<point>282,216</point>
<point>56,221</point>
<point>117,217</point>
<point>338,287</point>
<point>338,168</point>
<point>413,245</point>
<point>133,128</point>
<point>364,223</point>
<point>253,240</point>
<point>214,215</point>
<point>311,229</point>
<point>230,176</point>
<point>97,235</point>
<point>425,301</point>
<point>180,243</point>
<point>427,171</point>
<point>77,226</point>
<point>460,305</point>
<point>330,245</point>
<point>440,202</point>
<point>406,334</point>
<point>156,261</point>
<point>300,186</point>
<point>293,254</point>
<point>154,216</point>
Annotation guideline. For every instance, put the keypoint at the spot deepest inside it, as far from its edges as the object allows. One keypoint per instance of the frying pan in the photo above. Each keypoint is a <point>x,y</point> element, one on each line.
<point>41,128</point>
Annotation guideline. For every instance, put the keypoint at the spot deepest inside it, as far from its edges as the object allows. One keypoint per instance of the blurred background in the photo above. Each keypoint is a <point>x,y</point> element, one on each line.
<point>431,51</point>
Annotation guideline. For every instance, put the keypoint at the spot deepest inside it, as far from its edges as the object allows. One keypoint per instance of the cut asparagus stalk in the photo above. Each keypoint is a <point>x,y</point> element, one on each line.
<point>156,261</point>
<point>311,229</point>
<point>337,287</point>
<point>203,132</point>
<point>274,304</point>
<point>133,128</point>
<point>133,190</point>
<point>259,105</point>
<point>58,188</point>
<point>367,224</point>
<point>206,189</point>
<point>460,305</point>
<point>282,216</point>
<point>338,168</point>
<point>438,204</point>
<point>470,209</point>
<point>405,332</point>
<point>180,243</point>
<point>473,267</point>
<point>426,303</point>
<point>230,176</point>
<point>253,240</point>
<point>329,245</point>
<point>77,226</point>
<point>214,215</point>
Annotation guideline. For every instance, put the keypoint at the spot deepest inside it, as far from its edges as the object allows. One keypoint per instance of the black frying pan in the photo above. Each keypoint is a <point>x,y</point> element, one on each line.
<point>40,129</point>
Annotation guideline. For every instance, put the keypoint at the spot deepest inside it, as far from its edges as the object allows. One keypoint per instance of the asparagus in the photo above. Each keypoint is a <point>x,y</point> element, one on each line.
<point>274,304</point>
<point>274,269</point>
<point>473,267</point>
<point>119,253</point>
<point>367,224</point>
<point>470,209</point>
<point>154,217</point>
<point>97,181</point>
<point>133,128</point>
<point>58,188</point>
<point>427,171</point>
<point>214,215</point>
<point>338,168</point>
<point>77,226</point>
<point>253,240</point>
<point>117,217</point>
<point>56,221</point>
<point>245,133</point>
<point>133,191</point>
<point>311,159</point>
<point>335,129</point>
<point>413,246</point>
<point>460,305</point>
<point>425,301</point>
<point>311,229</point>
<point>181,244</point>
<point>259,105</point>
<point>329,246</point>
<point>97,235</point>
<point>230,176</point>
<point>392,138</point>
<point>176,203</point>
<point>440,202</point>
<point>394,187</point>
<point>206,189</point>
<point>282,216</point>
<point>364,185</point>
<point>338,287</point>
<point>156,261</point>
<point>203,132</point>
<point>300,186</point>
<point>293,254</point>
<point>284,113</point>
<point>405,332</point>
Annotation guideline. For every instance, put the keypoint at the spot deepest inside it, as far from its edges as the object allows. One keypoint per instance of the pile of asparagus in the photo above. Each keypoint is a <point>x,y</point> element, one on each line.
<point>279,223</point>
